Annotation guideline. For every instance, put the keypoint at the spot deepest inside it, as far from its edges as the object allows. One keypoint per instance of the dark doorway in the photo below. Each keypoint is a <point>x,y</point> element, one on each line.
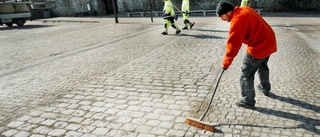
<point>107,7</point>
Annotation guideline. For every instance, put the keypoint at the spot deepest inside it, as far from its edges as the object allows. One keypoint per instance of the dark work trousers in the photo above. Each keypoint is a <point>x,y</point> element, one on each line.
<point>249,68</point>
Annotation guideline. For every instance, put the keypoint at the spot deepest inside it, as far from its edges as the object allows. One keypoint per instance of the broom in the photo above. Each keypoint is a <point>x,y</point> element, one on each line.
<point>177,16</point>
<point>198,122</point>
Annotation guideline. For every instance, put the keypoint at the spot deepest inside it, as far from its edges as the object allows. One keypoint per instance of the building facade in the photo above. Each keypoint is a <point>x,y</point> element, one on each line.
<point>105,7</point>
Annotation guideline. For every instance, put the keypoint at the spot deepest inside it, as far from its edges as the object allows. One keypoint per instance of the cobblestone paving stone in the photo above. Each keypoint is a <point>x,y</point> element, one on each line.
<point>140,83</point>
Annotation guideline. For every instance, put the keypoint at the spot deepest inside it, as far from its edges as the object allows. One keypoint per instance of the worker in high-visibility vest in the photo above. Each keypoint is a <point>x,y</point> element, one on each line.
<point>169,16</point>
<point>185,13</point>
<point>245,3</point>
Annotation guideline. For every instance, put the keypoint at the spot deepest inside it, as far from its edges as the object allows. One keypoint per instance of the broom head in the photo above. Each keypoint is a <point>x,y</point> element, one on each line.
<point>200,124</point>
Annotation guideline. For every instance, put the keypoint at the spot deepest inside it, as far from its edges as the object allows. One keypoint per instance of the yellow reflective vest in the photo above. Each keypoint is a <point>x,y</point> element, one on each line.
<point>185,6</point>
<point>168,8</point>
<point>244,3</point>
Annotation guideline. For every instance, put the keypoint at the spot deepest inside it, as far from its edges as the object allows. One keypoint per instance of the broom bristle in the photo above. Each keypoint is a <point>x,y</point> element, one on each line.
<point>200,124</point>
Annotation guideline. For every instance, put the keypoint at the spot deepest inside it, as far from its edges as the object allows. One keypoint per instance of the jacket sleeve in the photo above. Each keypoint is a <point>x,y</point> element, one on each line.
<point>234,43</point>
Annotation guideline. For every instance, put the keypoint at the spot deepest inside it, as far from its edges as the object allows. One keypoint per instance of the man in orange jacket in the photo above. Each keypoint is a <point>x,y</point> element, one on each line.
<point>248,27</point>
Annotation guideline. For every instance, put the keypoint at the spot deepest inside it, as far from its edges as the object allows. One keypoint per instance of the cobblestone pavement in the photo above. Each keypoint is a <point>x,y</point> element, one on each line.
<point>82,77</point>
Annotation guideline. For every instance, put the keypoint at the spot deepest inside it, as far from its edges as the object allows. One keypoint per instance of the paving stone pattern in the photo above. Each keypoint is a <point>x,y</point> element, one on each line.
<point>96,78</point>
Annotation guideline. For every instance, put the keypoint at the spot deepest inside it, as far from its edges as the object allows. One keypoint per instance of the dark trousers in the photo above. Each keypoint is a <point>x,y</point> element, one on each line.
<point>249,68</point>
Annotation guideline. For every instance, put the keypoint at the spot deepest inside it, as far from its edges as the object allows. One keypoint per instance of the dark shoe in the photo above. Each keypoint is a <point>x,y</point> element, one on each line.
<point>178,31</point>
<point>192,25</point>
<point>185,28</point>
<point>266,93</point>
<point>164,33</point>
<point>245,105</point>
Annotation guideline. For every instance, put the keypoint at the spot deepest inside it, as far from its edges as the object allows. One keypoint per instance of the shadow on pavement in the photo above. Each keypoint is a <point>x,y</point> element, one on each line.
<point>211,30</point>
<point>24,27</point>
<point>296,102</point>
<point>309,124</point>
<point>73,21</point>
<point>251,125</point>
<point>202,36</point>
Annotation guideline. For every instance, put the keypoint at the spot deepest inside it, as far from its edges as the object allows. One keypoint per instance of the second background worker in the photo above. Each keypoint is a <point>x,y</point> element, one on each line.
<point>185,13</point>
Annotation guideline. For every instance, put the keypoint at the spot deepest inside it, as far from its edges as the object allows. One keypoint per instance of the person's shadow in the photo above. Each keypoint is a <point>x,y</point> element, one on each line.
<point>203,30</point>
<point>202,36</point>
<point>296,102</point>
<point>309,124</point>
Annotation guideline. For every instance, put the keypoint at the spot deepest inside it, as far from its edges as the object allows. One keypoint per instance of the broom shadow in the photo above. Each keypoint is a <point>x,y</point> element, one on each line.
<point>249,125</point>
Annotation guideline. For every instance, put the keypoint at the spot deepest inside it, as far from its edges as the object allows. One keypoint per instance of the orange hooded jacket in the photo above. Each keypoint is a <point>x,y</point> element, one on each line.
<point>248,27</point>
